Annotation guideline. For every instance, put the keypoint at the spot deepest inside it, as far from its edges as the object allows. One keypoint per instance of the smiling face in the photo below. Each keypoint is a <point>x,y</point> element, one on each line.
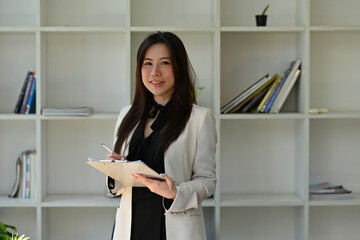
<point>158,74</point>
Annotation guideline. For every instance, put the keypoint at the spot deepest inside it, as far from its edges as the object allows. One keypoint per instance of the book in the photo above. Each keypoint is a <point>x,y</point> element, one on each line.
<point>30,105</point>
<point>77,111</point>
<point>15,190</point>
<point>255,100</point>
<point>325,190</point>
<point>27,176</point>
<point>268,93</point>
<point>278,89</point>
<point>22,93</point>
<point>23,176</point>
<point>24,185</point>
<point>32,174</point>
<point>237,102</point>
<point>330,196</point>
<point>121,170</point>
<point>285,90</point>
<point>27,93</point>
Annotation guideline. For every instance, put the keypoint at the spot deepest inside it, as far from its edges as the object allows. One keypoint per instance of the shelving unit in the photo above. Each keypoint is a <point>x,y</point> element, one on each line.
<point>84,53</point>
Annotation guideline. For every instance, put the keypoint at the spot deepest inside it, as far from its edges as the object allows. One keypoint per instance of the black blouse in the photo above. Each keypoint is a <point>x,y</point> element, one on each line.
<point>148,219</point>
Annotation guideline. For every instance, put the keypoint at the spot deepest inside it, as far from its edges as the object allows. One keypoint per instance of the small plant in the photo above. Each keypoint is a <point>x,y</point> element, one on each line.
<point>265,9</point>
<point>198,91</point>
<point>5,234</point>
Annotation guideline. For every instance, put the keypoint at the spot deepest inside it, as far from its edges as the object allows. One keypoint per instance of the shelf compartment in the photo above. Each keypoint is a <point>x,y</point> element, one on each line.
<point>331,143</point>
<point>241,200</point>
<point>262,223</point>
<point>200,49</point>
<point>78,223</point>
<point>91,200</point>
<point>239,116</point>
<point>13,116</point>
<point>279,29</point>
<point>106,116</point>
<point>5,201</point>
<point>24,219</point>
<point>333,73</point>
<point>255,54</point>
<point>79,200</point>
<point>280,13</point>
<point>335,115</point>
<point>18,29</point>
<point>186,13</point>
<point>269,158</point>
<point>69,144</point>
<point>344,13</point>
<point>17,57</point>
<point>107,13</point>
<point>334,28</point>
<point>16,137</point>
<point>18,13</point>
<point>84,29</point>
<point>332,223</point>
<point>84,69</point>
<point>174,29</point>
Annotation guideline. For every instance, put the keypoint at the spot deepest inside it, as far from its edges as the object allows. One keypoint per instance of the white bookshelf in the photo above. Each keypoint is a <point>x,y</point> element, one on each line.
<point>84,54</point>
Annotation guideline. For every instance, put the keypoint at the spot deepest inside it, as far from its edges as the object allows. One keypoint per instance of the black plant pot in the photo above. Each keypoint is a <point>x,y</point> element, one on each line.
<point>261,20</point>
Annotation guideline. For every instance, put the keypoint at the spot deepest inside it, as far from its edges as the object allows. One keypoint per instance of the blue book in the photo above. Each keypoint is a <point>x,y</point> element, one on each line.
<point>276,93</point>
<point>31,103</point>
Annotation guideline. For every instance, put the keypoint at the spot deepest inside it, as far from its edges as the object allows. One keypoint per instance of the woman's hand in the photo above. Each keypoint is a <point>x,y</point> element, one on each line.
<point>165,188</point>
<point>115,156</point>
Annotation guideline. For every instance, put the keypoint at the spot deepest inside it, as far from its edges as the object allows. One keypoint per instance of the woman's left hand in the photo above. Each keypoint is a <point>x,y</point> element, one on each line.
<point>165,188</point>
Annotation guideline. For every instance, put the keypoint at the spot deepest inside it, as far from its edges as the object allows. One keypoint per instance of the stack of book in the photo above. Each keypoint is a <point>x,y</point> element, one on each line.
<point>78,111</point>
<point>24,186</point>
<point>26,102</point>
<point>325,190</point>
<point>267,95</point>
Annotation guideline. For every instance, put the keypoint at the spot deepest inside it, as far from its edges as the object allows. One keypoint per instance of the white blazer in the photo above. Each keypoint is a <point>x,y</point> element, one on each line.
<point>190,162</point>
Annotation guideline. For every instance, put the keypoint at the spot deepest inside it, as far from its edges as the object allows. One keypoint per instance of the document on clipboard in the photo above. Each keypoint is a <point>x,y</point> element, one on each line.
<point>121,170</point>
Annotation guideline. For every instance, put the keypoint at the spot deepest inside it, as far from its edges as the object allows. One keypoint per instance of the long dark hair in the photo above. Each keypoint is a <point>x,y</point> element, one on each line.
<point>183,97</point>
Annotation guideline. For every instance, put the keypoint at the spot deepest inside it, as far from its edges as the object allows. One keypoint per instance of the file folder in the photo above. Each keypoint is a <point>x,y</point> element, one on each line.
<point>121,171</point>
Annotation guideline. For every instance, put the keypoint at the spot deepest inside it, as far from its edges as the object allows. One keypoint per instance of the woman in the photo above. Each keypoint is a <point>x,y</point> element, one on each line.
<point>166,130</point>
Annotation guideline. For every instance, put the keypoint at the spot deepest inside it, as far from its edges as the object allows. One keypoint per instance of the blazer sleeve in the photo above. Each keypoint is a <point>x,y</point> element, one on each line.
<point>190,194</point>
<point>114,187</point>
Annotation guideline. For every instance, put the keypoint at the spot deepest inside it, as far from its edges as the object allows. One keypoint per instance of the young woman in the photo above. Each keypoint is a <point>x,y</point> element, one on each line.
<point>166,130</point>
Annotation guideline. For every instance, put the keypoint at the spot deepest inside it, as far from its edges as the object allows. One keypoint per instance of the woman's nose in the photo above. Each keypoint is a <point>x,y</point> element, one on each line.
<point>155,71</point>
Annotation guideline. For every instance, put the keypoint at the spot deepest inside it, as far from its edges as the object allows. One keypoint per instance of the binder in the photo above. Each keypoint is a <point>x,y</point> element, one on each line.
<point>121,171</point>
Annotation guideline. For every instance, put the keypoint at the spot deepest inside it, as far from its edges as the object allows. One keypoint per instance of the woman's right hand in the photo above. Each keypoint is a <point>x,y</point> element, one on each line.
<point>115,156</point>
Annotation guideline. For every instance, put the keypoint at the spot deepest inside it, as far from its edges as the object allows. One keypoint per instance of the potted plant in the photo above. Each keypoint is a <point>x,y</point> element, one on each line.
<point>5,235</point>
<point>261,19</point>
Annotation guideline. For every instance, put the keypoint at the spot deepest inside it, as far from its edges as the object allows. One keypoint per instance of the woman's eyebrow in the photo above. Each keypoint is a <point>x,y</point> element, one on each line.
<point>149,59</point>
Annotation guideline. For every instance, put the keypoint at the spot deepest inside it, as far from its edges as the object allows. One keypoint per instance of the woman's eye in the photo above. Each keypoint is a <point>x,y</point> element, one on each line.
<point>147,64</point>
<point>165,63</point>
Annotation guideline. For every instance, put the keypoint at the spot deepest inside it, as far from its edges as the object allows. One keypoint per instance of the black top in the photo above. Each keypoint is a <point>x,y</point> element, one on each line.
<point>148,219</point>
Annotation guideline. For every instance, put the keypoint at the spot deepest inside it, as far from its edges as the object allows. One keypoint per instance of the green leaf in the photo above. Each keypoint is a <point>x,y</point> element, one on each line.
<point>2,228</point>
<point>265,9</point>
<point>12,227</point>
<point>4,236</point>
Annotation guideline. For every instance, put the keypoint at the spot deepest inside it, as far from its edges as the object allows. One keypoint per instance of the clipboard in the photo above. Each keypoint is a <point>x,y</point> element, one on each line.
<point>121,171</point>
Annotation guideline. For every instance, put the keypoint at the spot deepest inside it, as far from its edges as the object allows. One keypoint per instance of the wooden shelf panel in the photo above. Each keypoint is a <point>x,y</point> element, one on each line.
<point>243,200</point>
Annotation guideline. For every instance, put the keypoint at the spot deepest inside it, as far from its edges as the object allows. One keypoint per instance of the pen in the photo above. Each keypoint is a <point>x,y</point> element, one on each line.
<point>107,148</point>
<point>122,159</point>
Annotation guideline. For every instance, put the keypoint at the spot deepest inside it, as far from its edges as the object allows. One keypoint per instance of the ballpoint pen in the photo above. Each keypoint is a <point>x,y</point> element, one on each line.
<point>109,150</point>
